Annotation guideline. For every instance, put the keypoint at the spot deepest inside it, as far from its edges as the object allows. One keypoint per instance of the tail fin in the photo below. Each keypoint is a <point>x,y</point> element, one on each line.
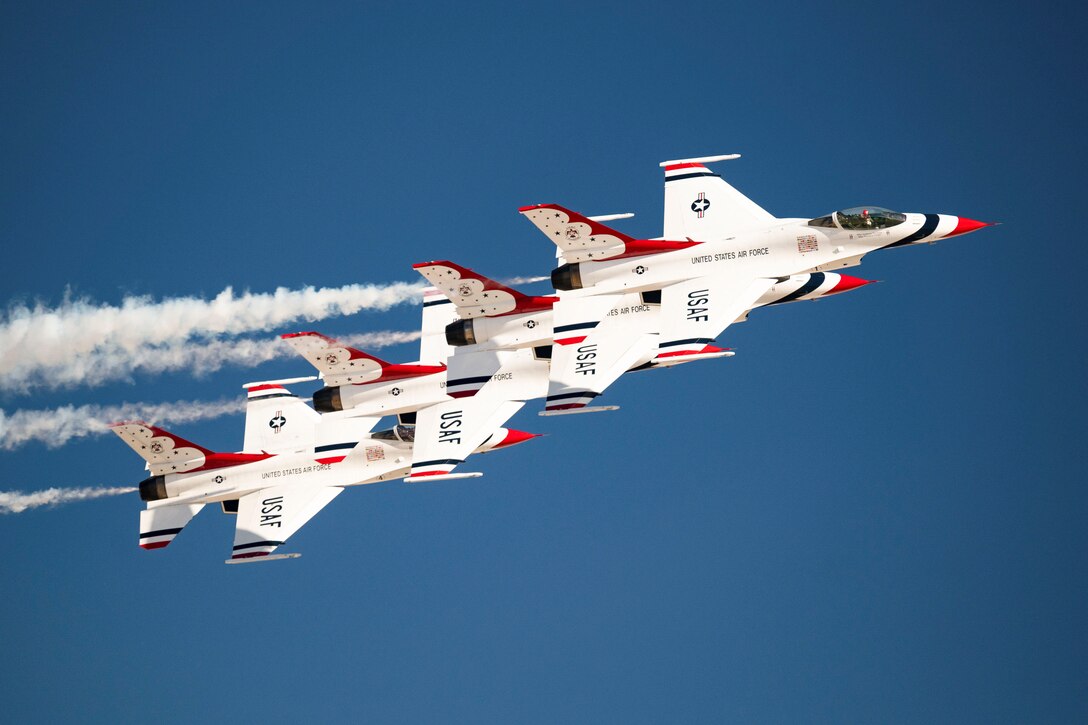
<point>438,312</point>
<point>477,296</point>
<point>343,365</point>
<point>163,451</point>
<point>701,205</point>
<point>581,239</point>
<point>277,421</point>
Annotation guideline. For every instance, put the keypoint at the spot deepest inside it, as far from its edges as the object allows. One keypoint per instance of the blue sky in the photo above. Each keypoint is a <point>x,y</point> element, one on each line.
<point>873,513</point>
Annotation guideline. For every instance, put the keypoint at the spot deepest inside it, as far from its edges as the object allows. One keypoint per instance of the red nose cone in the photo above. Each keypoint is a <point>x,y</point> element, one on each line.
<point>513,437</point>
<point>848,283</point>
<point>966,225</point>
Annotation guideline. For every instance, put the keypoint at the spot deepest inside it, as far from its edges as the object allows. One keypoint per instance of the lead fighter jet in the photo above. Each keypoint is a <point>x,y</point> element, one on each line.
<point>721,255</point>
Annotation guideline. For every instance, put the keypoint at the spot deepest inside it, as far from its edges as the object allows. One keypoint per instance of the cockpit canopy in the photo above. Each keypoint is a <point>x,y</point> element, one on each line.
<point>405,433</point>
<point>861,218</point>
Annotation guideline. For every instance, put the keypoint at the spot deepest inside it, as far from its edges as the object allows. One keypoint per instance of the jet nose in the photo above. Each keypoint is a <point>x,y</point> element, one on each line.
<point>963,225</point>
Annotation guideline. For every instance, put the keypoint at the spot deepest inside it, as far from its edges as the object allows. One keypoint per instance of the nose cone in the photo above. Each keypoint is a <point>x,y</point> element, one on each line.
<point>965,225</point>
<point>847,283</point>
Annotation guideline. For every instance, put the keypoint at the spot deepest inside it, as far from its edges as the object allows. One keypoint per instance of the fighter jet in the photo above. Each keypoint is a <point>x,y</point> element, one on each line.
<point>497,317</point>
<point>494,316</point>
<point>721,255</point>
<point>456,402</point>
<point>293,463</point>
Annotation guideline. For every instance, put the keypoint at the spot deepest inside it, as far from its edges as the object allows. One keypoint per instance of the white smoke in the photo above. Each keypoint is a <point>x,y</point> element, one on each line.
<point>109,363</point>
<point>13,502</point>
<point>56,427</point>
<point>39,344</point>
<point>524,280</point>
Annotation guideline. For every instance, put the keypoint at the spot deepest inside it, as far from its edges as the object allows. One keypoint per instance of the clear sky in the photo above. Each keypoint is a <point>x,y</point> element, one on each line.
<point>875,512</point>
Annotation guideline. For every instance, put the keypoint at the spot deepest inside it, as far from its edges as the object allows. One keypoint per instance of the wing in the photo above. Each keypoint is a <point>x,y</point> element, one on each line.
<point>159,525</point>
<point>267,518</point>
<point>701,205</point>
<point>446,434</point>
<point>696,311</point>
<point>595,343</point>
<point>477,296</point>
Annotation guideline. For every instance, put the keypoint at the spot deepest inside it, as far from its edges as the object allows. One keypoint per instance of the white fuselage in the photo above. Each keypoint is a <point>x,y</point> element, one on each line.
<point>370,461</point>
<point>788,247</point>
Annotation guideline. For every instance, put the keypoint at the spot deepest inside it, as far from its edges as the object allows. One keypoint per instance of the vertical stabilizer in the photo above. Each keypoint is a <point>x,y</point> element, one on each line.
<point>438,312</point>
<point>700,205</point>
<point>277,421</point>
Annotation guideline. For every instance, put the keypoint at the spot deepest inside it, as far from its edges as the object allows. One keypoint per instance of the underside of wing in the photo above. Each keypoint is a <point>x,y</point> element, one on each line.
<point>446,434</point>
<point>696,311</point>
<point>267,518</point>
<point>594,344</point>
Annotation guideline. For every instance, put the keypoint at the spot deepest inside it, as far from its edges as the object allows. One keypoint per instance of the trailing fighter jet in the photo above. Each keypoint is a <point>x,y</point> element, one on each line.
<point>293,463</point>
<point>721,255</point>
<point>456,402</point>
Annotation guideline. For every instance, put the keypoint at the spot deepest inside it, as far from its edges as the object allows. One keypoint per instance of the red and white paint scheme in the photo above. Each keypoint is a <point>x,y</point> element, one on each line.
<point>281,481</point>
<point>720,256</point>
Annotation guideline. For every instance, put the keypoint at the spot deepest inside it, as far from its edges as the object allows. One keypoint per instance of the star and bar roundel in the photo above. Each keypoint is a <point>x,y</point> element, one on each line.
<point>700,205</point>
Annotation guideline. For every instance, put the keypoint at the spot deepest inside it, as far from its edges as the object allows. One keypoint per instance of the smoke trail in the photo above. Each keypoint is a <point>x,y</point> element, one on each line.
<point>40,341</point>
<point>524,280</point>
<point>13,502</point>
<point>56,427</point>
<point>109,363</point>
